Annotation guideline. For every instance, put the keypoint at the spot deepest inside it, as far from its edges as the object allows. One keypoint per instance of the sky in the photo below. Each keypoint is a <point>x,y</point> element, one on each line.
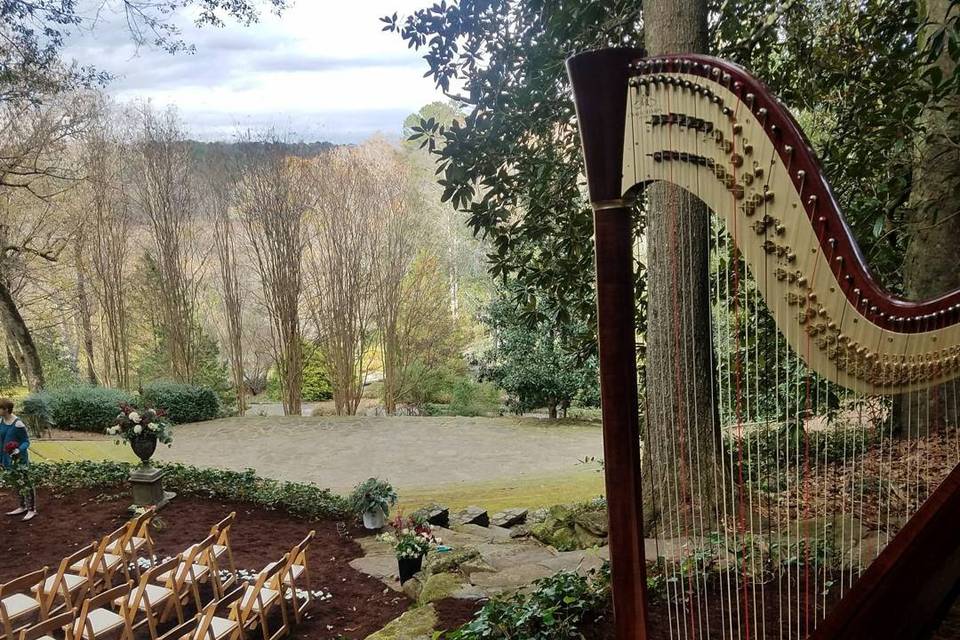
<point>324,70</point>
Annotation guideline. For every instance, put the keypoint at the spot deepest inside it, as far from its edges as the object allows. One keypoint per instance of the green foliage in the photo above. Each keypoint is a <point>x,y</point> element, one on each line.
<point>299,499</point>
<point>182,402</point>
<point>554,610</point>
<point>371,495</point>
<point>59,367</point>
<point>471,398</point>
<point>79,408</point>
<point>535,364</point>
<point>315,386</point>
<point>513,164</point>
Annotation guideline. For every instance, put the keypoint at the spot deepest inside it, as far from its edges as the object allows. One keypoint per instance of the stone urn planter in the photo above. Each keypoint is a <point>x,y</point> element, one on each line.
<point>409,567</point>
<point>144,447</point>
<point>144,430</point>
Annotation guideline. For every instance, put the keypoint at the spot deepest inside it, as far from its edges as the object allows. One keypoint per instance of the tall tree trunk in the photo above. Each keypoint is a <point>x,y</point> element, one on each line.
<point>930,264</point>
<point>681,430</point>
<point>19,334</point>
<point>83,306</point>
<point>13,366</point>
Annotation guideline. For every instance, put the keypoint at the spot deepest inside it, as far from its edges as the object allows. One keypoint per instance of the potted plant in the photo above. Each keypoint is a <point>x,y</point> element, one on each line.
<point>411,540</point>
<point>143,430</point>
<point>372,499</point>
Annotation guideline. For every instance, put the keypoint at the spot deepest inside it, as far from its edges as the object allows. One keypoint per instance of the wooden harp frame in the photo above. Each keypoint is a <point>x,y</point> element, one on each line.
<point>868,339</point>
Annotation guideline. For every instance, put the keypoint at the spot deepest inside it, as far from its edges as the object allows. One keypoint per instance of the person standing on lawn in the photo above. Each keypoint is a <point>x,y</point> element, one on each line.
<point>14,443</point>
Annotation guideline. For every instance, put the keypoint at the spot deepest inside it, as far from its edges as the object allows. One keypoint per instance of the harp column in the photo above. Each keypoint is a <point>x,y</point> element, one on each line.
<point>599,80</point>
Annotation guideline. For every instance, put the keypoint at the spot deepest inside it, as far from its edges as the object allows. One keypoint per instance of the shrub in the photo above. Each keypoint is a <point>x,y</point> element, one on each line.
<point>303,500</point>
<point>471,398</point>
<point>80,408</point>
<point>182,402</point>
<point>35,410</point>
<point>554,610</point>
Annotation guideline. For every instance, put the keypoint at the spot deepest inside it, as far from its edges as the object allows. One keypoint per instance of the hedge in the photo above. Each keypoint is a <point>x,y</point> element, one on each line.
<point>87,408</point>
<point>79,408</point>
<point>299,499</point>
<point>182,402</point>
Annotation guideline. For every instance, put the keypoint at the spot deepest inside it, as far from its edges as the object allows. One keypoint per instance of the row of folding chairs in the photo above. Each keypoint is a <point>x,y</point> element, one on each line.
<point>83,586</point>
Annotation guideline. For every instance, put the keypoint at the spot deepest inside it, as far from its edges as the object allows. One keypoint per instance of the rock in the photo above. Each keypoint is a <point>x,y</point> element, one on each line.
<point>450,561</point>
<point>381,567</point>
<point>476,565</point>
<point>537,515</point>
<point>509,518</point>
<point>487,534</point>
<point>439,586</point>
<point>413,587</point>
<point>520,531</point>
<point>512,578</point>
<point>473,515</point>
<point>436,514</point>
<point>556,533</point>
<point>593,521</point>
<point>415,624</point>
<point>585,538</point>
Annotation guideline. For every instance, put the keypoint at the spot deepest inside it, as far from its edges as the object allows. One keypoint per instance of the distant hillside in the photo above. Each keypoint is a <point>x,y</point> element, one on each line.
<point>298,149</point>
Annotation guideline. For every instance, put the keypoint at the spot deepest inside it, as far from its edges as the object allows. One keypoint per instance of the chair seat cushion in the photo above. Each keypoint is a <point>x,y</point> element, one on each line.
<point>20,604</point>
<point>267,598</point>
<point>111,561</point>
<point>73,582</point>
<point>102,621</point>
<point>222,627</point>
<point>199,573</point>
<point>291,576</point>
<point>154,594</point>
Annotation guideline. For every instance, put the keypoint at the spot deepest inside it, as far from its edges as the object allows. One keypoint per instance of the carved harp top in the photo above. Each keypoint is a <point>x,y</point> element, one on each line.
<point>713,129</point>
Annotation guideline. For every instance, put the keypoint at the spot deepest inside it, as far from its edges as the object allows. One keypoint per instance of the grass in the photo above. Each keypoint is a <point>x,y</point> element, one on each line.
<point>75,450</point>
<point>584,483</point>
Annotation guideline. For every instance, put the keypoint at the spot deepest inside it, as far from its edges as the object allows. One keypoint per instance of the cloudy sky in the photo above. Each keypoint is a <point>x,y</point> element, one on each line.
<point>322,71</point>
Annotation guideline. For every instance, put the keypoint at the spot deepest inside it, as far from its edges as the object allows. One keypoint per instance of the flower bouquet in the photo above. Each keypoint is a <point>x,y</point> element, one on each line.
<point>143,430</point>
<point>412,539</point>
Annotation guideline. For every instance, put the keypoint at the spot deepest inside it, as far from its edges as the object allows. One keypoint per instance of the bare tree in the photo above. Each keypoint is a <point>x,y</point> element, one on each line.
<point>394,243</point>
<point>273,199</point>
<point>164,193</point>
<point>33,172</point>
<point>220,182</point>
<point>341,268</point>
<point>107,202</point>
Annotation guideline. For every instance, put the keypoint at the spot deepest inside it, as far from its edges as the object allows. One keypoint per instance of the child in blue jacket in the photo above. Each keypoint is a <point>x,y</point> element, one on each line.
<point>14,442</point>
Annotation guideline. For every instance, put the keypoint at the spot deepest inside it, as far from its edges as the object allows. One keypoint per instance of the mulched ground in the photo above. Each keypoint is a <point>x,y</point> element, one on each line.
<point>456,612</point>
<point>360,604</point>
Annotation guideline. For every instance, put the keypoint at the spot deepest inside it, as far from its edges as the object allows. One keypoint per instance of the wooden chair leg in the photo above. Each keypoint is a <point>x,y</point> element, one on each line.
<point>151,623</point>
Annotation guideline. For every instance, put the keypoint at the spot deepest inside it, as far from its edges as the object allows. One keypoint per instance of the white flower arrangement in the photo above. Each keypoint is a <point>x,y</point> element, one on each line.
<point>135,425</point>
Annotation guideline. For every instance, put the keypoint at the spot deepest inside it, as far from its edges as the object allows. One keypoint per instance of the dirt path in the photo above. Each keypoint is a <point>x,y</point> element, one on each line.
<point>417,454</point>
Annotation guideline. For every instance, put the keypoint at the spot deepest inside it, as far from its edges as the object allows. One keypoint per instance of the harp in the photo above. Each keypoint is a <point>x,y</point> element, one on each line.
<point>834,491</point>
